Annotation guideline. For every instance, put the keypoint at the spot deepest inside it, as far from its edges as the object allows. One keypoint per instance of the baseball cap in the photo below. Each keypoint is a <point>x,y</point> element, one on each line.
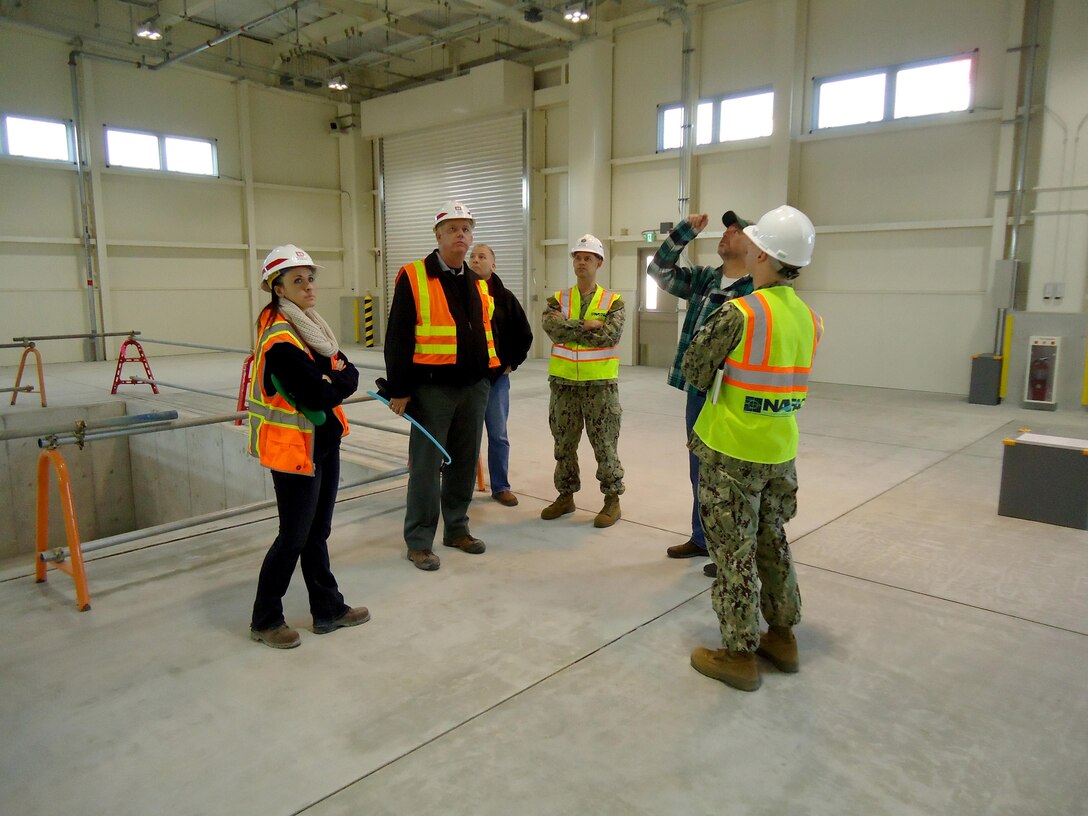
<point>729,218</point>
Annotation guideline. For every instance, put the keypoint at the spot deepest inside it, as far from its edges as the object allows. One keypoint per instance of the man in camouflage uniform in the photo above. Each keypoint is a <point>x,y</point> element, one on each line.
<point>753,356</point>
<point>585,323</point>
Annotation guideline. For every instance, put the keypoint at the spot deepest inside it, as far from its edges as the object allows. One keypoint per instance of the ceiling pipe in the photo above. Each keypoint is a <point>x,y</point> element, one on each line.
<point>230,35</point>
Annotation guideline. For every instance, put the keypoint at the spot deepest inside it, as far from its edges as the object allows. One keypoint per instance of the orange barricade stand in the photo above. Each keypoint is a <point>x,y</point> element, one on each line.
<point>480,475</point>
<point>75,570</point>
<point>19,376</point>
<point>243,387</point>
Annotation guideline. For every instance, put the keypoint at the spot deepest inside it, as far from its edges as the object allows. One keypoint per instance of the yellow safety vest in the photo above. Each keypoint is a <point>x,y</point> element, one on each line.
<point>763,382</point>
<point>578,362</point>
<point>279,435</point>
<point>436,330</point>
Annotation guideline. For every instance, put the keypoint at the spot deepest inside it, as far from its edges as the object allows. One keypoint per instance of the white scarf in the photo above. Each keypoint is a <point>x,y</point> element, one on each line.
<point>315,332</point>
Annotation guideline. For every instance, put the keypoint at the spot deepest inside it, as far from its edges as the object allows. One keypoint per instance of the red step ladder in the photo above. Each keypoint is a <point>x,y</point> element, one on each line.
<point>122,359</point>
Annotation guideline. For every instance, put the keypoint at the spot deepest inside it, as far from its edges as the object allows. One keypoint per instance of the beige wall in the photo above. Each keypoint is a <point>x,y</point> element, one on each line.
<point>176,256</point>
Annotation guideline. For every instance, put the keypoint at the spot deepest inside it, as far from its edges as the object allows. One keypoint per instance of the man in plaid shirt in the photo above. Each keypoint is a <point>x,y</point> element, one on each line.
<point>705,288</point>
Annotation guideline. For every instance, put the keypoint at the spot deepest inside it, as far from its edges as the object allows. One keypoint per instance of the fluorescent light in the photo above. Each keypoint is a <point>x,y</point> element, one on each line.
<point>337,83</point>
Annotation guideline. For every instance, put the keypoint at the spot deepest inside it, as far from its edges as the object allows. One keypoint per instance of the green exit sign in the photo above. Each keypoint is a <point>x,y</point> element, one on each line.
<point>649,236</point>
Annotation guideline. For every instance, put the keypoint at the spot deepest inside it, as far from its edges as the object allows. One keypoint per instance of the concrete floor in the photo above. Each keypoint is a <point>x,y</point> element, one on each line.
<point>944,648</point>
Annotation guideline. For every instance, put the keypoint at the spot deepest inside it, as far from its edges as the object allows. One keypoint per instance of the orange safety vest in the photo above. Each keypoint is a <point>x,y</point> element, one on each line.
<point>279,435</point>
<point>436,331</point>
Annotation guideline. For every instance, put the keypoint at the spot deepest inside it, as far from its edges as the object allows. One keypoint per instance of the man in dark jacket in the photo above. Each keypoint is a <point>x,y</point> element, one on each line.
<point>442,384</point>
<point>513,337</point>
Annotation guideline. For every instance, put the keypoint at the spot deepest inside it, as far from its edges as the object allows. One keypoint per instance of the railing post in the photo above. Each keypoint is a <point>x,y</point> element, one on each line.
<point>122,359</point>
<point>77,572</point>
<point>243,386</point>
<point>19,376</point>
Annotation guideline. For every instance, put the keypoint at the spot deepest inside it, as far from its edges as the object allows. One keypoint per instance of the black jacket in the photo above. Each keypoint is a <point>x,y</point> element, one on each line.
<point>510,328</point>
<point>301,377</point>
<point>463,297</point>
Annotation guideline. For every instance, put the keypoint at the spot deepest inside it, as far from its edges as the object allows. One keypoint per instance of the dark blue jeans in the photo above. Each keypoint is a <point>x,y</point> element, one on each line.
<point>305,505</point>
<point>691,413</point>
<point>498,443</point>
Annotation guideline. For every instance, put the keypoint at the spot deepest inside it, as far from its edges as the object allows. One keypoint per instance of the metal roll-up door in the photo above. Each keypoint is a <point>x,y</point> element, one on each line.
<point>482,164</point>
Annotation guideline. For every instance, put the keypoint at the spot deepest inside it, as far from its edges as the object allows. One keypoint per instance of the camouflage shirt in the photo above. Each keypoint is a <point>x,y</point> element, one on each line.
<point>561,330</point>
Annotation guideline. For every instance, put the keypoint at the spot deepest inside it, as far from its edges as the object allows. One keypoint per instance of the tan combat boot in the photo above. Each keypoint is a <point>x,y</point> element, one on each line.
<point>780,647</point>
<point>736,669</point>
<point>560,507</point>
<point>610,513</point>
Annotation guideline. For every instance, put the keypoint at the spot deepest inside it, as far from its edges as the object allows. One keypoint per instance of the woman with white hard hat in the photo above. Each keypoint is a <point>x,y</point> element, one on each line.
<point>300,377</point>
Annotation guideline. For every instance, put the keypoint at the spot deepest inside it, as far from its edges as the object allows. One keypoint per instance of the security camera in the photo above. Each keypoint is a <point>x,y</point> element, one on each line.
<point>334,126</point>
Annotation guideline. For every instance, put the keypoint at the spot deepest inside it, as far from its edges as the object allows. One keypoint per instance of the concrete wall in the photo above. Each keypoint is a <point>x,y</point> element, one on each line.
<point>100,477</point>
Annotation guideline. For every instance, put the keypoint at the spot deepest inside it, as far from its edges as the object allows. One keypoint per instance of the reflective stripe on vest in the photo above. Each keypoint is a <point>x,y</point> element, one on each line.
<point>576,361</point>
<point>280,436</point>
<point>436,330</point>
<point>764,381</point>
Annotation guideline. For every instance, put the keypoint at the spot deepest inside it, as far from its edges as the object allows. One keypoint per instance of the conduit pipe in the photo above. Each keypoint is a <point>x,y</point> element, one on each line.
<point>193,345</point>
<point>84,206</point>
<point>230,35</point>
<point>157,383</point>
<point>1021,169</point>
<point>112,422</point>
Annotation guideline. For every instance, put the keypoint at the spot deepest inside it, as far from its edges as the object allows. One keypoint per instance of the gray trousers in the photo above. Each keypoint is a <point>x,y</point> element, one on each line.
<point>455,417</point>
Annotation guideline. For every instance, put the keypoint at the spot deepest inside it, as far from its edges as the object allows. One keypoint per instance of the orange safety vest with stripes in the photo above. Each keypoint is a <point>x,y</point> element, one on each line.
<point>750,411</point>
<point>574,361</point>
<point>279,435</point>
<point>436,330</point>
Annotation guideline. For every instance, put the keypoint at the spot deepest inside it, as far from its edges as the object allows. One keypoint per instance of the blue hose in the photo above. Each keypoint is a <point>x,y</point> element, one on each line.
<point>425,432</point>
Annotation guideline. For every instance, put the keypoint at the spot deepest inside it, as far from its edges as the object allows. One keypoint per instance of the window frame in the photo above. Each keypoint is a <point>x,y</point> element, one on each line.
<point>890,73</point>
<point>69,130</point>
<point>715,103</point>
<point>161,138</point>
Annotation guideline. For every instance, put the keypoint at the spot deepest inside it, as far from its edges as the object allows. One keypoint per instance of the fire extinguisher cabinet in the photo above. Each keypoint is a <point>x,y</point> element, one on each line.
<point>1041,378</point>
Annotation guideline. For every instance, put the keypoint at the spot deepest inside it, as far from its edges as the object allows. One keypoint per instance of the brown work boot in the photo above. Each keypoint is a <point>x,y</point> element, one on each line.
<point>710,570</point>
<point>353,617</point>
<point>780,647</point>
<point>278,637</point>
<point>466,543</point>
<point>689,549</point>
<point>560,507</point>
<point>505,498</point>
<point>736,669</point>
<point>424,559</point>
<point>610,513</point>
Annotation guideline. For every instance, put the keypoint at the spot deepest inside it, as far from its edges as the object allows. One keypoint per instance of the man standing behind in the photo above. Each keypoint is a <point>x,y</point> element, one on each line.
<point>754,355</point>
<point>705,288</point>
<point>438,355</point>
<point>585,323</point>
<point>513,337</point>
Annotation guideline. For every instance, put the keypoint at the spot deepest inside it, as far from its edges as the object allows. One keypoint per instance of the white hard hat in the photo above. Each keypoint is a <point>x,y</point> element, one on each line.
<point>454,209</point>
<point>588,243</point>
<point>786,234</point>
<point>281,258</point>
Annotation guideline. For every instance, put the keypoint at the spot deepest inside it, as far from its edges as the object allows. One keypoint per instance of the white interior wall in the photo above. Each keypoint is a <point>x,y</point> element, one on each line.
<point>176,256</point>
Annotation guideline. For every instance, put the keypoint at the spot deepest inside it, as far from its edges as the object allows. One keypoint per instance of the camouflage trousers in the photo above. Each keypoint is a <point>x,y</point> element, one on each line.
<point>744,507</point>
<point>597,409</point>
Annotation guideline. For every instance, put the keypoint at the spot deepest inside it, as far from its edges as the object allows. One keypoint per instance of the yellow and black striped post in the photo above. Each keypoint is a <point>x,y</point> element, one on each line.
<point>368,320</point>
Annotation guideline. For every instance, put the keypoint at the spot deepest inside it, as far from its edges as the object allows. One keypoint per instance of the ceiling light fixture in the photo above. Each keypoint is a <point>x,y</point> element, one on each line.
<point>576,13</point>
<point>148,30</point>
<point>337,83</point>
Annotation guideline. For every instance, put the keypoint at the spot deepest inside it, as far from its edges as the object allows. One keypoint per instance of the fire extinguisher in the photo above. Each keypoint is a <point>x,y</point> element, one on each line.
<point>1039,379</point>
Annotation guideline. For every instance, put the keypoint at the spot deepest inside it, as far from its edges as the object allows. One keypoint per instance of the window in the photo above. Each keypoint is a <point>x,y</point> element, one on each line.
<point>151,151</point>
<point>895,92</point>
<point>37,138</point>
<point>722,119</point>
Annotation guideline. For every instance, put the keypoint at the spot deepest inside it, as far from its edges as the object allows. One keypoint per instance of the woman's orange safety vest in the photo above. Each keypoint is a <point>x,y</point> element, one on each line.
<point>279,435</point>
<point>436,331</point>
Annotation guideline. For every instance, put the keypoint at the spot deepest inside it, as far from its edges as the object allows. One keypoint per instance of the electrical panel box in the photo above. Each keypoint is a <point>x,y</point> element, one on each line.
<point>1041,378</point>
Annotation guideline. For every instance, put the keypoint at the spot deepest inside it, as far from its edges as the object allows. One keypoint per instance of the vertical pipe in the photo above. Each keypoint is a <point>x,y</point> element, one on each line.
<point>687,146</point>
<point>84,209</point>
<point>1021,168</point>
